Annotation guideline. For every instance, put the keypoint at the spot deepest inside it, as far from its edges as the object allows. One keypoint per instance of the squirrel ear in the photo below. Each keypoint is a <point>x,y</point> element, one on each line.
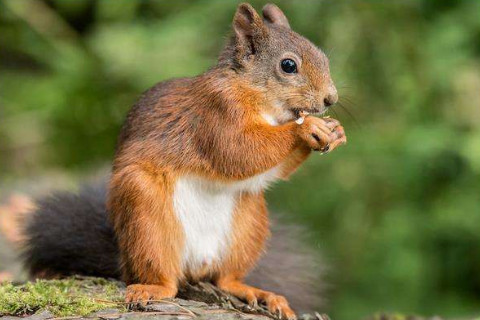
<point>248,27</point>
<point>274,15</point>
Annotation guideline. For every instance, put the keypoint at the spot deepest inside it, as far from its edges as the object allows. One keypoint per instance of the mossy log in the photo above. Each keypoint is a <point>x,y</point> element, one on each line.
<point>95,298</point>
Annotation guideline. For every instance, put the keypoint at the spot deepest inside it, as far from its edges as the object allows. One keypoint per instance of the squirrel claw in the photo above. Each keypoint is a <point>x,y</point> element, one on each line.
<point>253,304</point>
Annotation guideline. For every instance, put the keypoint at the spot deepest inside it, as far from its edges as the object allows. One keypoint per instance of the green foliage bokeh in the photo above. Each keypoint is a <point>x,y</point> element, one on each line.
<point>396,211</point>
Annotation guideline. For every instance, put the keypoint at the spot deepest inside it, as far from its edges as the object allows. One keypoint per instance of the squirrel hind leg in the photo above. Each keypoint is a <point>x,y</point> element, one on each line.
<point>142,293</point>
<point>276,304</point>
<point>291,268</point>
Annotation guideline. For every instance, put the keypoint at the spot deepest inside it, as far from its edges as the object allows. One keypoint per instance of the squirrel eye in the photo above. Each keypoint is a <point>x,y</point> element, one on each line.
<point>289,66</point>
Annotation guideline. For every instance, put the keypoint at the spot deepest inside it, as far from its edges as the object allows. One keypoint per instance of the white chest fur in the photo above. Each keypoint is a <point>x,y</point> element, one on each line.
<point>205,210</point>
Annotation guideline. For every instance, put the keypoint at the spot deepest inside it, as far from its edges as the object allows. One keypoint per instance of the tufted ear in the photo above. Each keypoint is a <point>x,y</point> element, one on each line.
<point>249,29</point>
<point>272,14</point>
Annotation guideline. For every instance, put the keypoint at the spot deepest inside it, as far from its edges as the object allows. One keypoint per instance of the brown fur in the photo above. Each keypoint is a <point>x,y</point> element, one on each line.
<point>212,126</point>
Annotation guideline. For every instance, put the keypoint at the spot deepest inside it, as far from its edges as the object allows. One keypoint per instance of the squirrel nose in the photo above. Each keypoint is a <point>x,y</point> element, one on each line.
<point>330,99</point>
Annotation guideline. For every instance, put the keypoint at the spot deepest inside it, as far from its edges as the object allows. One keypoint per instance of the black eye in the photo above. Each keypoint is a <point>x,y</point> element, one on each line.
<point>289,66</point>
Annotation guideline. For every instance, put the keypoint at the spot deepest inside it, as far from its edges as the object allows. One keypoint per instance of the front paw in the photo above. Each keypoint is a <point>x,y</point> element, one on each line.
<point>321,134</point>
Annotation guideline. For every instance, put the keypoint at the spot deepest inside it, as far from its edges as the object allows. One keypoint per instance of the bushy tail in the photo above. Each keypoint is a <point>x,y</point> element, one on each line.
<point>70,234</point>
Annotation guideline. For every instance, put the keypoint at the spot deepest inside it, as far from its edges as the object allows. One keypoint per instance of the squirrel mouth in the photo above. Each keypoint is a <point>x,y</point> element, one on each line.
<point>302,112</point>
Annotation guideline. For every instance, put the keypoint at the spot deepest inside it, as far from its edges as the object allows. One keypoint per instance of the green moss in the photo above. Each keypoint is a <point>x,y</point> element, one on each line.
<point>72,296</point>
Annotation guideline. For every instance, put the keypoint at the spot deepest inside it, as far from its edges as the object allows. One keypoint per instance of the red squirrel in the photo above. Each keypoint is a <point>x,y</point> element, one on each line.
<point>64,233</point>
<point>194,156</point>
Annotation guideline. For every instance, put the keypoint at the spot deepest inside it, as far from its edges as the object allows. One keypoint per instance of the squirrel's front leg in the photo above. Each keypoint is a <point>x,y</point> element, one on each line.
<point>294,160</point>
<point>322,134</point>
<point>327,134</point>
<point>148,234</point>
<point>259,147</point>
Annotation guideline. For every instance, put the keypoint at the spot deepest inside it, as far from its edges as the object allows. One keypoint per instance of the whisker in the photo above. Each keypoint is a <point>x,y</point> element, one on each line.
<point>345,109</point>
<point>335,114</point>
<point>342,86</point>
<point>299,95</point>
<point>348,100</point>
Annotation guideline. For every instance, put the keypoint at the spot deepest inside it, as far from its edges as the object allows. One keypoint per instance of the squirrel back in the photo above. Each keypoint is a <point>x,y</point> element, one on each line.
<point>70,234</point>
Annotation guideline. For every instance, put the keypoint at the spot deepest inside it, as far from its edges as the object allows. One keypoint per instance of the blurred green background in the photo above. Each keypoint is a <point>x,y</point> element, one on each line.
<point>396,212</point>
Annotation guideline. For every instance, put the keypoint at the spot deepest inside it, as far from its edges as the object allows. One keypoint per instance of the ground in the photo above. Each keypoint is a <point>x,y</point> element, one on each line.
<point>96,298</point>
<point>81,297</point>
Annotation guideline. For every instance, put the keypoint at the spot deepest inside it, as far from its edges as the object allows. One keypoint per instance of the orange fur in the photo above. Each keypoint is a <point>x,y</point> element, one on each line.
<point>150,237</point>
<point>250,231</point>
<point>292,162</point>
<point>212,126</point>
<point>250,234</point>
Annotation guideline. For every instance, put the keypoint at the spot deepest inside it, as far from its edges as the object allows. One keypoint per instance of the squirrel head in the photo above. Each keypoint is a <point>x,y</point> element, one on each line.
<point>290,71</point>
